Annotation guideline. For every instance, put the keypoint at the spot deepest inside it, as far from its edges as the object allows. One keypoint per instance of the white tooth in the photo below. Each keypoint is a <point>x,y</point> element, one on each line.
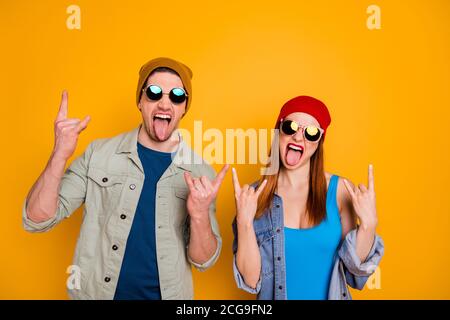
<point>163,116</point>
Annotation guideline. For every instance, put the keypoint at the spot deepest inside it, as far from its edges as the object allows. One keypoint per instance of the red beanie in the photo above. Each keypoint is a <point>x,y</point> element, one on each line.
<point>309,105</point>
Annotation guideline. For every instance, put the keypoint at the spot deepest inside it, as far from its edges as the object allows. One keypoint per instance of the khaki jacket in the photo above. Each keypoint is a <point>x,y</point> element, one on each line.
<point>108,179</point>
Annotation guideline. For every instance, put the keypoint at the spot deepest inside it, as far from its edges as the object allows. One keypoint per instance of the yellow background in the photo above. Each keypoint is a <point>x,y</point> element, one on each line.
<point>388,92</point>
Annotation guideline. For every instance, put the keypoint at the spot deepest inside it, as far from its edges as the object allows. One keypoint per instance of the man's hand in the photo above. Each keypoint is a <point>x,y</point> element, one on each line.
<point>202,192</point>
<point>42,200</point>
<point>67,131</point>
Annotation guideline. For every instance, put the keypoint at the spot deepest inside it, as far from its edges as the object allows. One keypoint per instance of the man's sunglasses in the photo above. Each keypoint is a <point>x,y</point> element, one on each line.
<point>155,93</point>
<point>310,132</point>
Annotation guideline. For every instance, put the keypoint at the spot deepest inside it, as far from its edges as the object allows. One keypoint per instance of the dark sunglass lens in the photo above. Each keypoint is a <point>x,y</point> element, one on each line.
<point>312,133</point>
<point>154,92</point>
<point>177,95</point>
<point>289,127</point>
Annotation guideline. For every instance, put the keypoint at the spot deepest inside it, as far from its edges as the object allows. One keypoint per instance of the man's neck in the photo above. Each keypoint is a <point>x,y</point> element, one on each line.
<point>170,145</point>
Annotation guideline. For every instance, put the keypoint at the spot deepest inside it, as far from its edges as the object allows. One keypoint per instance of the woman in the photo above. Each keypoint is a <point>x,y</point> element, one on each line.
<point>296,235</point>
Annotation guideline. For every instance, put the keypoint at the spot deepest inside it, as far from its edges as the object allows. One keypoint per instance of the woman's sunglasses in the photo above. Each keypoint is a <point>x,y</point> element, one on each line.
<point>155,93</point>
<point>310,132</point>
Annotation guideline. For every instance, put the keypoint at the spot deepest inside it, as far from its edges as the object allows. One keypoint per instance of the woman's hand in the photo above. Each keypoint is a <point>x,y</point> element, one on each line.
<point>363,199</point>
<point>246,200</point>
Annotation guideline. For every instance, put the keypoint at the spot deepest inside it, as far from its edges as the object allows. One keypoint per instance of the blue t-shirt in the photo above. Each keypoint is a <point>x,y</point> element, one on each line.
<point>139,277</point>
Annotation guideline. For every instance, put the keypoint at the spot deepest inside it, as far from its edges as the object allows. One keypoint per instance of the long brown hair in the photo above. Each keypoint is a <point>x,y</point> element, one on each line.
<point>317,194</point>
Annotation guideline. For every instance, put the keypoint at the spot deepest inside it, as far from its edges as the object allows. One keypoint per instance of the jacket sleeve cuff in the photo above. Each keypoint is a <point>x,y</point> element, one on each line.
<point>211,261</point>
<point>348,254</point>
<point>356,272</point>
<point>240,280</point>
<point>32,226</point>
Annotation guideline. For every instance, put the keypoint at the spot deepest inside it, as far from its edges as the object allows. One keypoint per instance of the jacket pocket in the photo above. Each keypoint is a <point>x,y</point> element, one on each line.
<point>104,190</point>
<point>179,213</point>
<point>264,235</point>
<point>103,178</point>
<point>181,193</point>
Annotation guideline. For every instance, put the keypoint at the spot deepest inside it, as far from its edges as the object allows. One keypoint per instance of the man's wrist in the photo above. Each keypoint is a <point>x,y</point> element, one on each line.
<point>199,219</point>
<point>57,160</point>
<point>55,166</point>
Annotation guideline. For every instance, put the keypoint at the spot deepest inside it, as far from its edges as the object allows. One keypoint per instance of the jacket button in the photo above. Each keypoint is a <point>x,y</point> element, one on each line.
<point>107,279</point>
<point>105,179</point>
<point>132,186</point>
<point>277,206</point>
<point>123,217</point>
<point>278,230</point>
<point>278,258</point>
<point>344,294</point>
<point>280,287</point>
<point>114,247</point>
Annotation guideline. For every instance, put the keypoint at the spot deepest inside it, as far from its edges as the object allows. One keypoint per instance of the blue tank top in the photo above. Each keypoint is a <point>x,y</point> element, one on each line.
<point>310,253</point>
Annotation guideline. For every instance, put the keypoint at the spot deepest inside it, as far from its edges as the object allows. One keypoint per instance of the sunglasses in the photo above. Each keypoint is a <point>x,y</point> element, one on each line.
<point>310,132</point>
<point>155,93</point>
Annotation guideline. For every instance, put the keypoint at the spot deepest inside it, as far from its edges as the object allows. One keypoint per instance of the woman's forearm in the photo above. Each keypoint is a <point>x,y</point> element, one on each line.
<point>365,237</point>
<point>248,257</point>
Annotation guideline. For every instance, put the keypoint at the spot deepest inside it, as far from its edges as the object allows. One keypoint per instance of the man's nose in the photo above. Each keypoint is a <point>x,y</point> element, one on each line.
<point>165,103</point>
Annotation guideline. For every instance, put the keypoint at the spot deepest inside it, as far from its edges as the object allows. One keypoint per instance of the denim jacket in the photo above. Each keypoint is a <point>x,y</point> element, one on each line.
<point>347,269</point>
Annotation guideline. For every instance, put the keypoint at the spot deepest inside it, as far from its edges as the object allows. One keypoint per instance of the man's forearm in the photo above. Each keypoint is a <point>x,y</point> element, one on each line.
<point>42,199</point>
<point>202,243</point>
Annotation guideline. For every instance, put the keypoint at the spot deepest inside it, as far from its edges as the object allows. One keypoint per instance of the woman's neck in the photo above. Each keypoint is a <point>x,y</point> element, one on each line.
<point>297,178</point>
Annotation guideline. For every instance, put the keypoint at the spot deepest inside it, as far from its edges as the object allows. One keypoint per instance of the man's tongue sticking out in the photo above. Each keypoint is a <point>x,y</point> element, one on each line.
<point>161,128</point>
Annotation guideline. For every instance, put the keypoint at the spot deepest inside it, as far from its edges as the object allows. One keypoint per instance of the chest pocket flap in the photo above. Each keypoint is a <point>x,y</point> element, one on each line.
<point>264,235</point>
<point>104,178</point>
<point>182,193</point>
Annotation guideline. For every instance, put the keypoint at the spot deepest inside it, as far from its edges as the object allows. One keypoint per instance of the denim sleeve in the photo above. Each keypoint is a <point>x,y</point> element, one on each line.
<point>356,272</point>
<point>72,193</point>
<point>237,275</point>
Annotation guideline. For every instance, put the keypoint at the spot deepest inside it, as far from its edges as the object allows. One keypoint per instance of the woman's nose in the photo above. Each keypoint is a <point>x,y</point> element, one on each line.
<point>298,136</point>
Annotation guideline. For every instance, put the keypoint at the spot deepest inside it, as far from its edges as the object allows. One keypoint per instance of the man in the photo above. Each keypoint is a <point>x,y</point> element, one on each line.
<point>149,214</point>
